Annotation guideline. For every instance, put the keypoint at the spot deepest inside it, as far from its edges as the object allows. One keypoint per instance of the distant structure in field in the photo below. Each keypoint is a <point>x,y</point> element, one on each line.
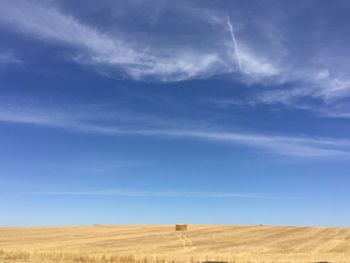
<point>180,227</point>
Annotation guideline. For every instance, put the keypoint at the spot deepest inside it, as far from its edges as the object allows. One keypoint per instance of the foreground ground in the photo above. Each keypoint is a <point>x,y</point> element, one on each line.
<point>160,243</point>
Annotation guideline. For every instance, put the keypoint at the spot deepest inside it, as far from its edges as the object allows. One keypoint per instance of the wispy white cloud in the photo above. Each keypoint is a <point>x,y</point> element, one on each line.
<point>331,87</point>
<point>286,82</point>
<point>251,65</point>
<point>268,55</point>
<point>299,146</point>
<point>9,58</point>
<point>326,90</point>
<point>313,68</point>
<point>168,194</point>
<point>235,49</point>
<point>229,102</point>
<point>90,45</point>
<point>98,48</point>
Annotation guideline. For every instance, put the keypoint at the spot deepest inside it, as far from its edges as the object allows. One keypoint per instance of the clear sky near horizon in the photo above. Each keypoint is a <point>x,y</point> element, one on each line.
<point>232,112</point>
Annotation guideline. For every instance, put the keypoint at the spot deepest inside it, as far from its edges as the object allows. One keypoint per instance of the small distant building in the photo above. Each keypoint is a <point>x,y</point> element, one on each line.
<point>180,227</point>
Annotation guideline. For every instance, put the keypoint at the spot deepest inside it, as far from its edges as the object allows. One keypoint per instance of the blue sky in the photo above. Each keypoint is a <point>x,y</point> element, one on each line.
<point>174,111</point>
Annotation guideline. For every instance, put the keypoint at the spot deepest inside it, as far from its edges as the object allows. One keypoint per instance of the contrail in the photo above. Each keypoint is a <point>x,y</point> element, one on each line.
<point>234,41</point>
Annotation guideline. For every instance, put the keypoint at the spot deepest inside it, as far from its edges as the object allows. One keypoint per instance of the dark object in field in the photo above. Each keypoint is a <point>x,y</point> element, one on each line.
<point>322,262</point>
<point>181,227</point>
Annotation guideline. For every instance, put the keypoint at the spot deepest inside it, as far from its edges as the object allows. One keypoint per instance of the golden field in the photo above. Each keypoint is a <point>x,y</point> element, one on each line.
<point>161,244</point>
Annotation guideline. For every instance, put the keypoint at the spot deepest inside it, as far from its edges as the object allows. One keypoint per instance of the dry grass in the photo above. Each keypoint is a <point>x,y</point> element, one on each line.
<point>161,244</point>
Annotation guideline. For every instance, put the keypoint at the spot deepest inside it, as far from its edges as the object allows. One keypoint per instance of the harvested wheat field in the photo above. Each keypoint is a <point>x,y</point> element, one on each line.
<point>160,243</point>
